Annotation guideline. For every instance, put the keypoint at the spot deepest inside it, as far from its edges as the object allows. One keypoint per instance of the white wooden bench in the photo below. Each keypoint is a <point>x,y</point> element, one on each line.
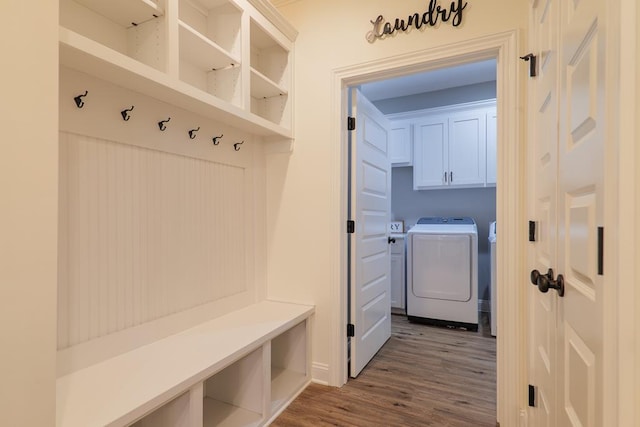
<point>241,369</point>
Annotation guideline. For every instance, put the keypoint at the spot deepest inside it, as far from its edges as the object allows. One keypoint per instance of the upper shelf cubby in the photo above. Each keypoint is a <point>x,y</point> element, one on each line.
<point>268,57</point>
<point>210,47</point>
<point>134,28</point>
<point>125,13</point>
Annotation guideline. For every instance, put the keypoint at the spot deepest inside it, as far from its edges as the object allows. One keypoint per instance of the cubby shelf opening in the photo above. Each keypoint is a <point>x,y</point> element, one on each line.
<point>135,28</point>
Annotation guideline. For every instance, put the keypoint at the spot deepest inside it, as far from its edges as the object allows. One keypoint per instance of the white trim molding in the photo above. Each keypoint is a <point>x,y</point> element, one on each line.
<point>320,373</point>
<point>511,342</point>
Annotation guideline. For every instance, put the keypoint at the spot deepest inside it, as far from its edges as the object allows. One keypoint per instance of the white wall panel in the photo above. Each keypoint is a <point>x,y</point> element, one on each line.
<point>144,234</point>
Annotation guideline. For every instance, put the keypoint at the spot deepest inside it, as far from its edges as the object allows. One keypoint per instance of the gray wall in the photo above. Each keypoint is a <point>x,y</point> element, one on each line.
<point>439,98</point>
<point>478,203</point>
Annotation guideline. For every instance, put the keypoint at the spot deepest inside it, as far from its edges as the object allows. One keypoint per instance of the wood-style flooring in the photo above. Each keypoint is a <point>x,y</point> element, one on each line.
<point>423,376</point>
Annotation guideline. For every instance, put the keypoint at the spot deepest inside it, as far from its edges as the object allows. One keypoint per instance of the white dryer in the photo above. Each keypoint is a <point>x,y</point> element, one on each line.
<point>442,271</point>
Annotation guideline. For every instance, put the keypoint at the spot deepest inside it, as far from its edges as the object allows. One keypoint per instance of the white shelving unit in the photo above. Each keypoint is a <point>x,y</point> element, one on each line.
<point>135,29</point>
<point>233,397</point>
<point>210,47</point>
<point>289,370</point>
<point>269,76</point>
<point>238,370</point>
<point>172,414</point>
<point>124,12</point>
<point>221,58</point>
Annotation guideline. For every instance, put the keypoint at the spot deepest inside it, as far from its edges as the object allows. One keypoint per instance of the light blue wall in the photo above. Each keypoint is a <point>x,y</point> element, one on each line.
<point>479,203</point>
<point>439,98</point>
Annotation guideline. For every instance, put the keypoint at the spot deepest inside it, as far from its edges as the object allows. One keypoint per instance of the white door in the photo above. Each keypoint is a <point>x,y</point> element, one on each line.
<point>371,205</point>
<point>431,156</point>
<point>467,148</point>
<point>543,111</point>
<point>567,332</point>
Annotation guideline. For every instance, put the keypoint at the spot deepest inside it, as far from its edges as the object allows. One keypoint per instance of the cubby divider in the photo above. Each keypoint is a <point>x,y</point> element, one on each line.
<point>234,396</point>
<point>289,368</point>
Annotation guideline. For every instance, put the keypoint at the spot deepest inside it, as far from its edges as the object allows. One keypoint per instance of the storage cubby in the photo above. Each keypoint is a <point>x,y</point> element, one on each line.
<point>210,47</point>
<point>269,76</point>
<point>135,28</point>
<point>288,364</point>
<point>234,396</point>
<point>172,414</point>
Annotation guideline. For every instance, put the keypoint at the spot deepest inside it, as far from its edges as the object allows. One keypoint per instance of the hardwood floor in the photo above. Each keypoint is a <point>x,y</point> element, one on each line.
<point>423,376</point>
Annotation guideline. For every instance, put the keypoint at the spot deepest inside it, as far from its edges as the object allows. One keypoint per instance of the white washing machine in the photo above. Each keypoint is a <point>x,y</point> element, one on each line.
<point>442,271</point>
<point>494,292</point>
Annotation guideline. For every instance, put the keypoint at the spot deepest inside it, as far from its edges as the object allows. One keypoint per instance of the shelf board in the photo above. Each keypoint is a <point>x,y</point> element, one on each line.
<point>124,12</point>
<point>284,384</point>
<point>86,55</point>
<point>221,414</point>
<point>203,52</point>
<point>264,87</point>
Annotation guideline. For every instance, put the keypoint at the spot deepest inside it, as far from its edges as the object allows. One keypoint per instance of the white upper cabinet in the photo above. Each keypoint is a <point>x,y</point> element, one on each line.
<point>225,59</point>
<point>467,147</point>
<point>431,153</point>
<point>401,148</point>
<point>449,147</point>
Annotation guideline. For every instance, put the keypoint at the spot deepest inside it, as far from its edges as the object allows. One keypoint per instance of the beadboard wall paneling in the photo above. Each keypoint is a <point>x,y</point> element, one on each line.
<point>144,234</point>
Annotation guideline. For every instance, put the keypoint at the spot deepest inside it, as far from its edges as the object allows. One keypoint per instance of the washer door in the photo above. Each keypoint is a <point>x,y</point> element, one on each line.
<point>442,266</point>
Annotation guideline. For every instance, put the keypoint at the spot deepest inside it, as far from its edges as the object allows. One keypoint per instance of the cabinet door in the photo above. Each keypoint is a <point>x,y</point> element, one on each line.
<point>400,149</point>
<point>491,147</point>
<point>467,149</point>
<point>430,153</point>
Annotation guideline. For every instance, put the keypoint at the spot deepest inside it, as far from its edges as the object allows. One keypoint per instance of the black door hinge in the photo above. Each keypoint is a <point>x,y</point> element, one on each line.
<point>601,251</point>
<point>532,231</point>
<point>351,226</point>
<point>351,330</point>
<point>351,123</point>
<point>532,395</point>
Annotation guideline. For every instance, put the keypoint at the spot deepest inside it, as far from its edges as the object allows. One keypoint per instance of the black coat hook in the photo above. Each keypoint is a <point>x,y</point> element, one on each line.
<point>192,133</point>
<point>125,114</point>
<point>531,58</point>
<point>78,99</point>
<point>237,145</point>
<point>216,139</point>
<point>161,124</point>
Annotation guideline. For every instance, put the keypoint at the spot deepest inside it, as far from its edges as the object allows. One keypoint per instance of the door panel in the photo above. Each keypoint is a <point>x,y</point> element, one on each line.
<point>544,138</point>
<point>371,204</point>
<point>568,165</point>
<point>445,270</point>
<point>467,149</point>
<point>580,210</point>
<point>430,143</point>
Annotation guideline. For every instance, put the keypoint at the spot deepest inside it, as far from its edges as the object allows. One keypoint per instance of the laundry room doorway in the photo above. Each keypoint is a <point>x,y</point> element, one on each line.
<point>496,48</point>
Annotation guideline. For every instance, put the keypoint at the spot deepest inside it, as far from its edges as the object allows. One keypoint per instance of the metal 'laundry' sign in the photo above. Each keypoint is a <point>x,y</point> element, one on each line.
<point>434,15</point>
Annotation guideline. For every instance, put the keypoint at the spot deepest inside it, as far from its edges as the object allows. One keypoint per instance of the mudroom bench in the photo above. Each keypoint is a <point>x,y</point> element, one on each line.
<point>241,369</point>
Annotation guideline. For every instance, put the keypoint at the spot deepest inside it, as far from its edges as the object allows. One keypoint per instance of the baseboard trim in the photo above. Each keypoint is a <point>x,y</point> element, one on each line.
<point>320,373</point>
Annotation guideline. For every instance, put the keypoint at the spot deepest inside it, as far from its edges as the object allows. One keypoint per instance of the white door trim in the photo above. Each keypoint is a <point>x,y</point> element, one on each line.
<point>511,342</point>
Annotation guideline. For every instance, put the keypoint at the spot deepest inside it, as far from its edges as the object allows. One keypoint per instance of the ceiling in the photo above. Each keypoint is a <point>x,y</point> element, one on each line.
<point>429,81</point>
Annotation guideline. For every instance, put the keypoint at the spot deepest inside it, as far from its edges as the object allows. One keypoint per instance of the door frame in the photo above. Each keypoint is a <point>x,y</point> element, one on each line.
<point>510,200</point>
